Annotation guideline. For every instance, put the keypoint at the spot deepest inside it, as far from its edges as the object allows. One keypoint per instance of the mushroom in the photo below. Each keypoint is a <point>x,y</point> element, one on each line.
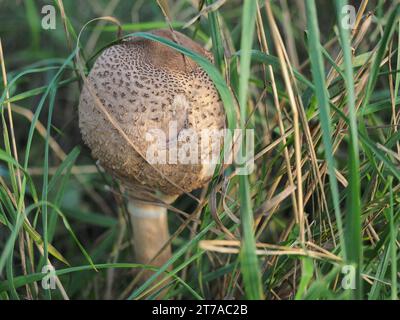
<point>144,86</point>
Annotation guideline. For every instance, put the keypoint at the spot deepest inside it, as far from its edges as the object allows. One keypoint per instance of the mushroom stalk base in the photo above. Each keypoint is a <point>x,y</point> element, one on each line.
<point>150,234</point>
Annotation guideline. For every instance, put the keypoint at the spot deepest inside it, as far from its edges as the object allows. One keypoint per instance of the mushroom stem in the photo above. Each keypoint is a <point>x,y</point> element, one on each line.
<point>150,234</point>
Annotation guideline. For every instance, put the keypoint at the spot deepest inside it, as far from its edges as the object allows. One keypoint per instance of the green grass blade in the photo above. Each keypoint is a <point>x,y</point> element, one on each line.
<point>33,92</point>
<point>33,17</point>
<point>143,26</point>
<point>306,277</point>
<point>380,274</point>
<point>217,45</point>
<point>318,73</point>
<point>392,243</point>
<point>46,182</point>
<point>353,217</point>
<point>41,103</point>
<point>249,263</point>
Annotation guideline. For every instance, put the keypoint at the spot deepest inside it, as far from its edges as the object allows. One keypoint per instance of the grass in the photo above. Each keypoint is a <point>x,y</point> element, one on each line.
<point>322,101</point>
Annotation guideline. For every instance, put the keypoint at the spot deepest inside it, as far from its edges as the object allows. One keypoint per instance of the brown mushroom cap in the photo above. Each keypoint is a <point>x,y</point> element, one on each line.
<point>145,85</point>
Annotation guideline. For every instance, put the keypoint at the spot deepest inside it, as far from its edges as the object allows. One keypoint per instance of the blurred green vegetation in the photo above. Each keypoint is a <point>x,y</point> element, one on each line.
<point>342,141</point>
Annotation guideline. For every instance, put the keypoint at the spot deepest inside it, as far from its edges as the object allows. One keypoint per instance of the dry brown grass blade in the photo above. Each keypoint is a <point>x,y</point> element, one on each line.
<point>360,13</point>
<point>320,172</point>
<point>306,129</point>
<point>224,193</point>
<point>9,114</point>
<point>212,7</point>
<point>214,213</point>
<point>275,201</point>
<point>21,238</point>
<point>389,152</point>
<point>358,34</point>
<point>64,20</point>
<point>296,127</point>
<point>272,146</point>
<point>266,249</point>
<point>264,46</point>
<point>108,11</point>
<point>289,37</point>
<point>164,6</point>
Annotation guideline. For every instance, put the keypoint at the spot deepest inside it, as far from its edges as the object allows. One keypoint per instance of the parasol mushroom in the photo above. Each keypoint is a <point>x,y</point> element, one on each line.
<point>145,86</point>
